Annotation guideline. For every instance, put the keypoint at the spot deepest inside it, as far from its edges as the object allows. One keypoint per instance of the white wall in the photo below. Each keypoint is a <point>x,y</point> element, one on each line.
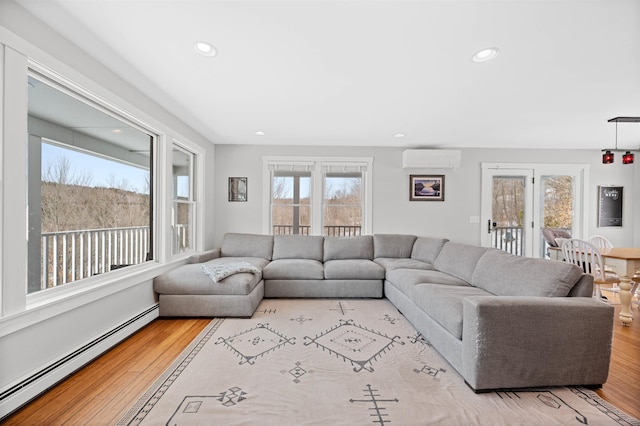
<point>32,339</point>
<point>392,210</point>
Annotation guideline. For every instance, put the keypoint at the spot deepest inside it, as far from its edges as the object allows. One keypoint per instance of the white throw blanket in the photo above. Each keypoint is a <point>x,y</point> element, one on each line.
<point>222,271</point>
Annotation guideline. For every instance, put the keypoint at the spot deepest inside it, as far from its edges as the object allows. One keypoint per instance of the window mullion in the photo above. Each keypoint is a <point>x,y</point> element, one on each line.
<point>316,198</point>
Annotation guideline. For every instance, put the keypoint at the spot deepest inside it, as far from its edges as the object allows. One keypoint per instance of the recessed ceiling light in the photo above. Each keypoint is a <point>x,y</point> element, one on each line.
<point>399,135</point>
<point>117,131</point>
<point>260,133</point>
<point>205,49</point>
<point>485,55</point>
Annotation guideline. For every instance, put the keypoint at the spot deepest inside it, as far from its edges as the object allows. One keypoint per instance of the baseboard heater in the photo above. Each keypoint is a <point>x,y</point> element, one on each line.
<point>51,368</point>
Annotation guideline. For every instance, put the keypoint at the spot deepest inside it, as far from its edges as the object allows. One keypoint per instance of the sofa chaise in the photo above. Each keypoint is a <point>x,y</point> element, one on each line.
<point>501,321</point>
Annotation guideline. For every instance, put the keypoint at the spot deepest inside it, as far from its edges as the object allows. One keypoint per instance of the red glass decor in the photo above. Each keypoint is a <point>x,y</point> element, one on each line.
<point>607,157</point>
<point>627,158</point>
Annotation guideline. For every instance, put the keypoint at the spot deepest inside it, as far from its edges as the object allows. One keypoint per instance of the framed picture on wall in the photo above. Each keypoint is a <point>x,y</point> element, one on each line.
<point>610,206</point>
<point>237,189</point>
<point>426,188</point>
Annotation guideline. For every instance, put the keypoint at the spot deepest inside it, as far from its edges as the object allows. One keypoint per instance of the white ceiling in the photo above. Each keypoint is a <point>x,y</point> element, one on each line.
<point>347,72</point>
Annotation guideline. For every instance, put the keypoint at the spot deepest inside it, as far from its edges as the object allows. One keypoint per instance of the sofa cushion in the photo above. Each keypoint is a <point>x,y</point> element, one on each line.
<point>293,269</point>
<point>416,276</point>
<point>249,245</point>
<point>393,245</point>
<point>459,260</point>
<point>504,274</point>
<point>390,264</point>
<point>444,303</point>
<point>191,279</point>
<point>427,249</point>
<point>298,247</point>
<point>355,269</point>
<point>339,248</point>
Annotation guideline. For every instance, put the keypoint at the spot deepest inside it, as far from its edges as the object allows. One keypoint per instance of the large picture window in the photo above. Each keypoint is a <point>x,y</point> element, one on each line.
<point>90,186</point>
<point>318,196</point>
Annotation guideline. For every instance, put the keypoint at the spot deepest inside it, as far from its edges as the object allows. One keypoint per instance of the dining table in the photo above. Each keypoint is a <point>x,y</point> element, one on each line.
<point>625,261</point>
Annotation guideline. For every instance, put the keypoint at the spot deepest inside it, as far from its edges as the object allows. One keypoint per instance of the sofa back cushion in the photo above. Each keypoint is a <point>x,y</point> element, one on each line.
<point>505,274</point>
<point>298,247</point>
<point>247,245</point>
<point>338,248</point>
<point>427,249</point>
<point>458,259</point>
<point>393,245</point>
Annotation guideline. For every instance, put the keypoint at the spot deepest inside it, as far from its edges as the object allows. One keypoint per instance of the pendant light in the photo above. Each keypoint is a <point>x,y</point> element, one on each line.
<point>627,158</point>
<point>607,157</point>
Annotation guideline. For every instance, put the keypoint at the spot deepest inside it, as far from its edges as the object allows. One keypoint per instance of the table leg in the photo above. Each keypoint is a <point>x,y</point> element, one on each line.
<point>625,301</point>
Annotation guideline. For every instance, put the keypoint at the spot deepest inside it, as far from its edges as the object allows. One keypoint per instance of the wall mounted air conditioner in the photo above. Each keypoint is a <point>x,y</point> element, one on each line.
<point>431,158</point>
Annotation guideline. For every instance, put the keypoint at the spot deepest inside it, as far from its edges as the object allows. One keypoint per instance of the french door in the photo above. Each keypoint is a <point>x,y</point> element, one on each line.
<point>519,200</point>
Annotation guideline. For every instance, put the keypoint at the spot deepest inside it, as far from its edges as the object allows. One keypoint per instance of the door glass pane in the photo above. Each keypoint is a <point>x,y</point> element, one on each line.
<point>342,204</point>
<point>291,203</point>
<point>508,204</point>
<point>558,204</point>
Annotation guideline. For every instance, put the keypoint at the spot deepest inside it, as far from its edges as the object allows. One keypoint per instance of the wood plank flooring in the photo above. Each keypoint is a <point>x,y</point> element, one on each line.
<point>103,391</point>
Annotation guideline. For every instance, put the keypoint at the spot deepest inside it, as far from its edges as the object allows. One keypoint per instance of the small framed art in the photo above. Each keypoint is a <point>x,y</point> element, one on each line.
<point>426,188</point>
<point>237,189</point>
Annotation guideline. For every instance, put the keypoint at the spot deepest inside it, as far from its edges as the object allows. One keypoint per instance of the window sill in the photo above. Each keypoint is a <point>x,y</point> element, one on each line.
<point>46,304</point>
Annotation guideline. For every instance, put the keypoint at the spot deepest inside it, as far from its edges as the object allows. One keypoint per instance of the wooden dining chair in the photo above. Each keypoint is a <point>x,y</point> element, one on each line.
<point>600,242</point>
<point>588,257</point>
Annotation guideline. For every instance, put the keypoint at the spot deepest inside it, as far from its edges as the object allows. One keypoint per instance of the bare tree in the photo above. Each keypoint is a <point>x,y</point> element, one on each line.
<point>558,202</point>
<point>70,202</point>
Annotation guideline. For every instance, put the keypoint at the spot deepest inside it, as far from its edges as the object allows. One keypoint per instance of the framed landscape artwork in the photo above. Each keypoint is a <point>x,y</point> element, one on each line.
<point>426,188</point>
<point>237,189</point>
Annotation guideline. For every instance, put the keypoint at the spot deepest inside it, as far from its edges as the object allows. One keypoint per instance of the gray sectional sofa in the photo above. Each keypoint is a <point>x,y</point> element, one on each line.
<point>501,321</point>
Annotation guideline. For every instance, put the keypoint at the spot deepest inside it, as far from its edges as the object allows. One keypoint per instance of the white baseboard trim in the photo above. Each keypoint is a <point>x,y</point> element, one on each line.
<point>32,386</point>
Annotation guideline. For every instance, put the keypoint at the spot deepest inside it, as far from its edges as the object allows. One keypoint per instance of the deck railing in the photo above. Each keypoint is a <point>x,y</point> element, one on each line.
<point>332,230</point>
<point>508,238</point>
<point>69,256</point>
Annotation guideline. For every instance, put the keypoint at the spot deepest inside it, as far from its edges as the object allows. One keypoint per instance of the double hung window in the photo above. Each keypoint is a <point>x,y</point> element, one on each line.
<point>183,203</point>
<point>342,203</point>
<point>318,196</point>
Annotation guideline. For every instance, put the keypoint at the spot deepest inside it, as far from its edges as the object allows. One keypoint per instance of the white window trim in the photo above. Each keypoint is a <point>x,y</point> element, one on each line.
<point>18,310</point>
<point>316,165</point>
<point>578,171</point>
<point>196,194</point>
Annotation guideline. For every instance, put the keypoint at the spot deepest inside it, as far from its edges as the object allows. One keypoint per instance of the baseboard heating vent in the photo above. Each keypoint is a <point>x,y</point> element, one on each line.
<point>73,355</point>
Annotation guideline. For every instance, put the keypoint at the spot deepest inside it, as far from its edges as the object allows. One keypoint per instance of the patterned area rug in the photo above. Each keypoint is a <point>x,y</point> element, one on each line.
<point>340,362</point>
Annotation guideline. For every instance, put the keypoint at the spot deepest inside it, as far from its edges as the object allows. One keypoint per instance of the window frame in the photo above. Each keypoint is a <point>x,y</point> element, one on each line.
<point>91,100</point>
<point>19,310</point>
<point>191,200</point>
<point>317,167</point>
<point>43,132</point>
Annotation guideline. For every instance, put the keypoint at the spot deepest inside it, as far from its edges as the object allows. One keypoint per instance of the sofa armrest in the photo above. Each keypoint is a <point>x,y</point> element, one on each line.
<point>205,256</point>
<point>512,342</point>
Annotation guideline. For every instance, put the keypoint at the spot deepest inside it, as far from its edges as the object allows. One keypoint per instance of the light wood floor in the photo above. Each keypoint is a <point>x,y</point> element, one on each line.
<point>103,391</point>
